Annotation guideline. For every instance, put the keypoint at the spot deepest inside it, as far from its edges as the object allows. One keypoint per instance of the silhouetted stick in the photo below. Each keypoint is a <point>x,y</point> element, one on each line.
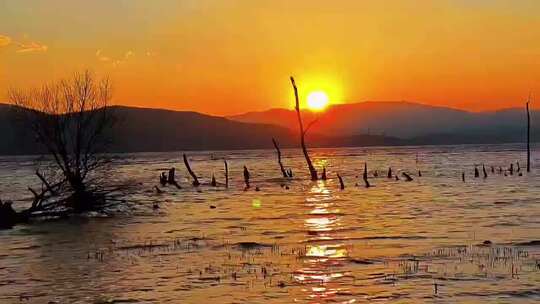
<point>171,178</point>
<point>213,182</point>
<point>463,176</point>
<point>419,173</point>
<point>397,177</point>
<point>163,179</point>
<point>511,169</point>
<point>476,173</point>
<point>365,177</point>
<point>195,179</point>
<point>323,174</point>
<point>226,174</point>
<point>484,170</point>
<point>492,169</point>
<point>312,170</point>
<point>279,158</point>
<point>408,178</point>
<point>375,174</point>
<point>246,177</point>
<point>389,175</point>
<point>341,184</point>
<point>528,136</point>
<point>518,167</point>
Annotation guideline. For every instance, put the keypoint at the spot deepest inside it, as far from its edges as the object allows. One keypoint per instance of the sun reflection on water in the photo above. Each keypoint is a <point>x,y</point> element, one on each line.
<point>324,256</point>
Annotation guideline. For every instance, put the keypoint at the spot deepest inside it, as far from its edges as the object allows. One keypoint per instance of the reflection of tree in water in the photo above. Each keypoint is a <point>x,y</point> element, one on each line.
<point>322,273</point>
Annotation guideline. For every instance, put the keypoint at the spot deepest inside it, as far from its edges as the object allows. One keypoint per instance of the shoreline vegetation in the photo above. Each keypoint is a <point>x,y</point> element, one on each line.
<point>71,120</point>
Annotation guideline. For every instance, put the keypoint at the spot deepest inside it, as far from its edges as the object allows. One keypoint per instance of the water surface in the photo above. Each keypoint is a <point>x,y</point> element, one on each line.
<point>399,242</point>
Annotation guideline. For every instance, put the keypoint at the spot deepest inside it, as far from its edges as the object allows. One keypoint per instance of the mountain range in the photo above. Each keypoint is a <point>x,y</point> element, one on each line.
<point>360,124</point>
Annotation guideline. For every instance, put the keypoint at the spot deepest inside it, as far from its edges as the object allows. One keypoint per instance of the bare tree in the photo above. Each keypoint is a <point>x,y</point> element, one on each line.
<point>528,135</point>
<point>69,118</point>
<point>303,131</point>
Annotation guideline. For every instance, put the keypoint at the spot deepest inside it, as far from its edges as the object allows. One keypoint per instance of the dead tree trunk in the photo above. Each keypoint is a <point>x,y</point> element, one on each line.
<point>312,170</point>
<point>528,137</point>
<point>246,177</point>
<point>283,172</point>
<point>365,176</point>
<point>171,178</point>
<point>226,174</point>
<point>341,184</point>
<point>195,179</point>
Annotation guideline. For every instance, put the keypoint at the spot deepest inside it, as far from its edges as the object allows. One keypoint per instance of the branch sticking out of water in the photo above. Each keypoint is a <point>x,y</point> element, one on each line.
<point>195,179</point>
<point>283,172</point>
<point>312,170</point>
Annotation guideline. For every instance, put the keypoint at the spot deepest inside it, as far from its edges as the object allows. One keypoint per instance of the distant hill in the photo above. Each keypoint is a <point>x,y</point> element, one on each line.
<point>389,124</point>
<point>405,120</point>
<point>143,129</point>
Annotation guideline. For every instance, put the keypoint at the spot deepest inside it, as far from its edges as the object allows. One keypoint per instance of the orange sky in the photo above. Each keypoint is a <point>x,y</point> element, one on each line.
<point>231,56</point>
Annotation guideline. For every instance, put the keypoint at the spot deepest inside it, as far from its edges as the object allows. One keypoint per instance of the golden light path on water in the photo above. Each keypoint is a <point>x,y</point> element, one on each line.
<point>322,260</point>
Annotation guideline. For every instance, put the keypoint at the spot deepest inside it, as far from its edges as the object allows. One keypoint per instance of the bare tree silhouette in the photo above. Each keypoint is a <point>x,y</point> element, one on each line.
<point>303,131</point>
<point>69,118</point>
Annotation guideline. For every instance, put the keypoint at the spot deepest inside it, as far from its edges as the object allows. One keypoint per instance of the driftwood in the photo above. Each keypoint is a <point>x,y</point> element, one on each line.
<point>171,179</point>
<point>323,174</point>
<point>518,167</point>
<point>389,175</point>
<point>511,170</point>
<point>226,173</point>
<point>311,168</point>
<point>365,176</point>
<point>419,173</point>
<point>484,171</point>
<point>528,136</point>
<point>163,179</point>
<point>341,184</point>
<point>246,177</point>
<point>196,182</point>
<point>213,183</point>
<point>463,176</point>
<point>476,173</point>
<point>408,178</point>
<point>283,172</point>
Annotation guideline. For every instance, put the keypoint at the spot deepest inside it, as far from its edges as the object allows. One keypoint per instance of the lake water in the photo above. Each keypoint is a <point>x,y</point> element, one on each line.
<point>398,241</point>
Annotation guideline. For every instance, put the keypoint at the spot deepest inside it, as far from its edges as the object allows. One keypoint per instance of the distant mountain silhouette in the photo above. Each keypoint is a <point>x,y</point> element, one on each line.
<point>399,119</point>
<point>143,129</point>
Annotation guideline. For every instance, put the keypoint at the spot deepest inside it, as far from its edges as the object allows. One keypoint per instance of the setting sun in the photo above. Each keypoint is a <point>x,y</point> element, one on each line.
<point>317,101</point>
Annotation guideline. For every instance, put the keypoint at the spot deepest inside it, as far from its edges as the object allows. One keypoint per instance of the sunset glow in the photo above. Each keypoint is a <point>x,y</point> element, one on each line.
<point>227,57</point>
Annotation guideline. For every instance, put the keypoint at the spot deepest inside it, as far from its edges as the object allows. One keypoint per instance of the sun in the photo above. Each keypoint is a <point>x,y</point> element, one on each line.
<point>317,101</point>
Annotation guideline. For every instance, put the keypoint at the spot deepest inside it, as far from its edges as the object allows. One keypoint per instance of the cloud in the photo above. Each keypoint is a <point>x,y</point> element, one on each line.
<point>4,40</point>
<point>31,47</point>
<point>115,61</point>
